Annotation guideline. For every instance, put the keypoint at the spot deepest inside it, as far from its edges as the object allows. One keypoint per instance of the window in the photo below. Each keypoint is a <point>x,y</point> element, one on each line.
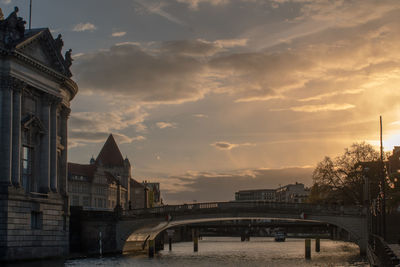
<point>64,223</point>
<point>29,105</point>
<point>26,167</point>
<point>36,220</point>
<point>86,201</point>
<point>75,200</point>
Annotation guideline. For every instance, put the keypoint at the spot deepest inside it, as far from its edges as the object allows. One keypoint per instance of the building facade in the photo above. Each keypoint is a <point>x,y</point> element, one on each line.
<point>96,186</point>
<point>138,195</point>
<point>145,195</point>
<point>258,194</point>
<point>35,94</point>
<point>291,193</point>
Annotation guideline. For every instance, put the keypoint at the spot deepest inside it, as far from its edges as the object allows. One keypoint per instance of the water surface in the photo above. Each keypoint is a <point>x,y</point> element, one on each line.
<point>229,251</point>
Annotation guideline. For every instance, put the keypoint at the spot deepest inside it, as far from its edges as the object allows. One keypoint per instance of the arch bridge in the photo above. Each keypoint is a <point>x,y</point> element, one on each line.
<point>141,225</point>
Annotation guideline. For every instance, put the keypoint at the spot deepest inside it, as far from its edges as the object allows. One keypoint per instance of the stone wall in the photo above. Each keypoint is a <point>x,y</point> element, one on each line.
<point>85,232</point>
<point>22,239</point>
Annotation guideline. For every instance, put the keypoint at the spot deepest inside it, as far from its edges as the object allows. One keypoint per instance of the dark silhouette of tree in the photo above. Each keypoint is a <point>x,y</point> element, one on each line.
<point>341,180</point>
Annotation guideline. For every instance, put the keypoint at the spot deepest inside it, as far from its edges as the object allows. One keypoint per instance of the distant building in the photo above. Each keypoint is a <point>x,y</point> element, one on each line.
<point>145,195</point>
<point>394,161</point>
<point>257,194</point>
<point>291,193</point>
<point>138,195</point>
<point>95,186</point>
<point>154,199</point>
<point>35,93</point>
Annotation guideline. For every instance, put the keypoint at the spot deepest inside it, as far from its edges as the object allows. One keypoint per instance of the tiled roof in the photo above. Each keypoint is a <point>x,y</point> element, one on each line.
<point>135,183</point>
<point>110,154</point>
<point>87,170</point>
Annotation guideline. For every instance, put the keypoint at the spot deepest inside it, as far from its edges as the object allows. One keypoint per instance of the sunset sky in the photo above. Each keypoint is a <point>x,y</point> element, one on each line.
<point>210,96</point>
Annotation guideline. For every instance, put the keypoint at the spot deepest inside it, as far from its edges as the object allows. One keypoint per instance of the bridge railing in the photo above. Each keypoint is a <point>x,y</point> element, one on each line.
<point>279,207</point>
<point>384,253</point>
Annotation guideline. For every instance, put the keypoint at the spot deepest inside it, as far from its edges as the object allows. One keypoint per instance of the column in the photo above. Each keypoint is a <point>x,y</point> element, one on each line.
<point>5,131</point>
<point>16,138</point>
<point>64,114</point>
<point>44,181</point>
<point>53,147</point>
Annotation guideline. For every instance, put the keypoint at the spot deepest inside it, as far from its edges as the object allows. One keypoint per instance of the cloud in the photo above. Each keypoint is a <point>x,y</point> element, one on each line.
<point>118,34</point>
<point>94,126</point>
<point>318,108</point>
<point>194,4</point>
<point>163,125</point>
<point>223,145</point>
<point>156,8</point>
<point>330,94</point>
<point>200,47</point>
<point>6,2</point>
<point>221,186</point>
<point>329,63</point>
<point>200,115</point>
<point>99,137</point>
<point>81,27</point>
<point>129,70</point>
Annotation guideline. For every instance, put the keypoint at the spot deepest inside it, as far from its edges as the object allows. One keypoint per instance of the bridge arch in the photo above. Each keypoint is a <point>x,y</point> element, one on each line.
<point>143,225</point>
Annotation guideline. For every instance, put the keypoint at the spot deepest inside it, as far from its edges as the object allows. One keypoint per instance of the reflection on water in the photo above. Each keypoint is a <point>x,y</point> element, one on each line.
<point>229,251</point>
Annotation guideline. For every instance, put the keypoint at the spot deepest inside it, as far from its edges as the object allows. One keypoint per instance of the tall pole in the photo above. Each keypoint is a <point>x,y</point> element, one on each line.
<point>30,14</point>
<point>383,183</point>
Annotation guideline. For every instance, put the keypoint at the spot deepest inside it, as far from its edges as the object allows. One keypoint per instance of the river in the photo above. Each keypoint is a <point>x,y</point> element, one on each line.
<point>226,252</point>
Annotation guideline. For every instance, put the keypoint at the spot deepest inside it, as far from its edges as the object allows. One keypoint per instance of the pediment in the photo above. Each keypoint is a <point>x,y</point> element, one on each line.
<point>31,121</point>
<point>40,46</point>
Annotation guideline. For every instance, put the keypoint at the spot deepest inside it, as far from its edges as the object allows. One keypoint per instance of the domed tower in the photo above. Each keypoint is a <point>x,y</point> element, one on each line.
<point>92,161</point>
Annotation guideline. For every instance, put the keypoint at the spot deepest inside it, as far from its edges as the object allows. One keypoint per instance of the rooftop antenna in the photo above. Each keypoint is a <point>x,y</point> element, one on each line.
<point>30,14</point>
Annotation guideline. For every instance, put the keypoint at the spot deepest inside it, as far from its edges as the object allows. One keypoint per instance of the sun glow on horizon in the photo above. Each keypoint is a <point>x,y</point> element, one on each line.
<point>389,142</point>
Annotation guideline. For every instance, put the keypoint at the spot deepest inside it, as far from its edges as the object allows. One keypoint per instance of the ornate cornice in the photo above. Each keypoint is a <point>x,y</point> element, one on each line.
<point>65,81</point>
<point>65,112</point>
<point>12,83</point>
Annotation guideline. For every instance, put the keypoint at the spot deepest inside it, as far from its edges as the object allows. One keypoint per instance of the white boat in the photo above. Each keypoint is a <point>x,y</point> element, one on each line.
<point>280,236</point>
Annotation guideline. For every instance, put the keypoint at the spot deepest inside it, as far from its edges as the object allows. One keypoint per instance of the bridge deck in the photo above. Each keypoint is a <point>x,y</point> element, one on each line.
<point>276,207</point>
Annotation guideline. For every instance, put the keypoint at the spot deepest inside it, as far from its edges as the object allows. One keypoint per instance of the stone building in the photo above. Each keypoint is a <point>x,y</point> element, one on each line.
<point>291,193</point>
<point>138,195</point>
<point>96,186</point>
<point>257,194</point>
<point>35,94</point>
<point>145,195</point>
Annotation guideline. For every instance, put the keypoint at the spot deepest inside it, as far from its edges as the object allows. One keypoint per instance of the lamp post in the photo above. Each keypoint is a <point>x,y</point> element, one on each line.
<point>383,189</point>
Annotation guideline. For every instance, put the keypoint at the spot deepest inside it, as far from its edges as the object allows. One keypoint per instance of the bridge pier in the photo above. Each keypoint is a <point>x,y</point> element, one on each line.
<point>151,248</point>
<point>242,237</point>
<point>307,243</point>
<point>195,236</point>
<point>317,244</point>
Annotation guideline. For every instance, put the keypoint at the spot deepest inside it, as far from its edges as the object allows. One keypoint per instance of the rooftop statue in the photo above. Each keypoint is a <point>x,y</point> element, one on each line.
<point>59,43</point>
<point>12,28</point>
<point>68,58</point>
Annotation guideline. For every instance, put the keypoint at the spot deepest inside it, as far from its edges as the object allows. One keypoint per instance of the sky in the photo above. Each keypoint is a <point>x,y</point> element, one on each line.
<point>208,97</point>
